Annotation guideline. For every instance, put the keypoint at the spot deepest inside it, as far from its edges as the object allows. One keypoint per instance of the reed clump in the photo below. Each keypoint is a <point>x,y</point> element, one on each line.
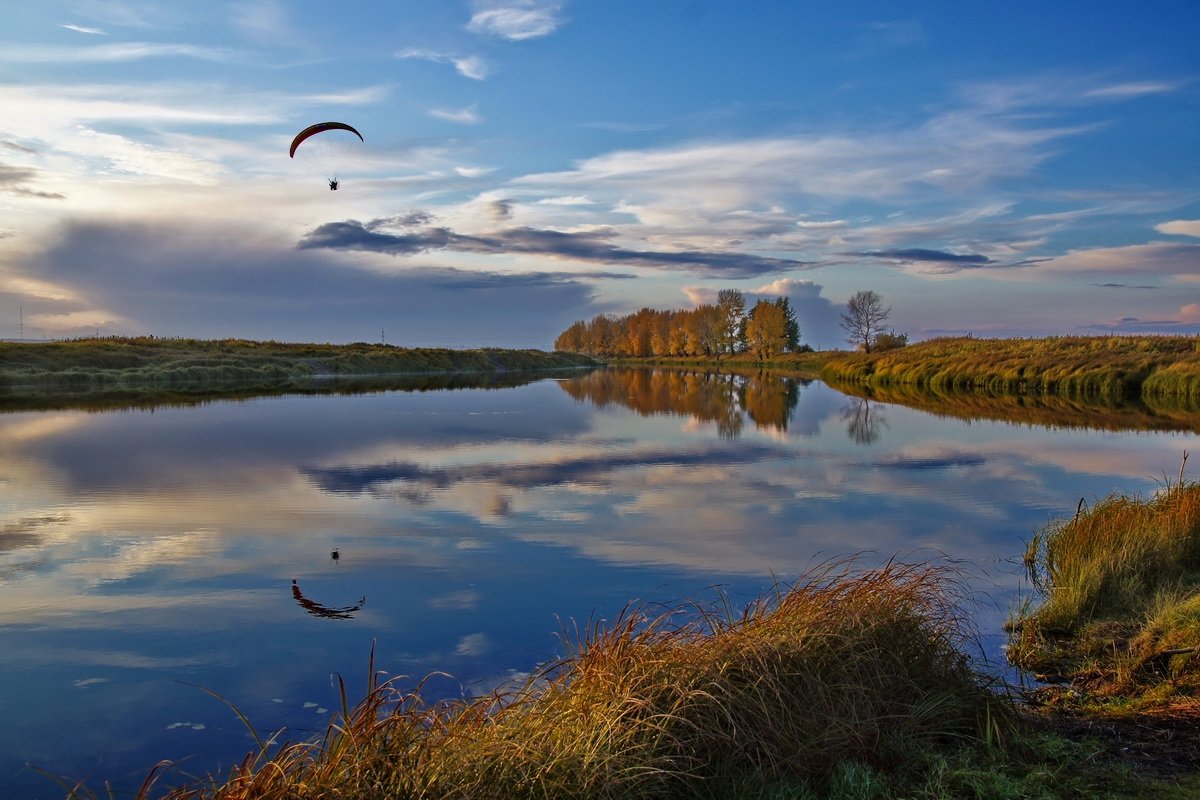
<point>838,676</point>
<point>1119,591</point>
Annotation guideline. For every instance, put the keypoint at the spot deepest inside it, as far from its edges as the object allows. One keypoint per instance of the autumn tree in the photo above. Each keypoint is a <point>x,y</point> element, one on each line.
<point>703,330</point>
<point>864,318</point>
<point>766,329</point>
<point>732,304</point>
<point>573,339</point>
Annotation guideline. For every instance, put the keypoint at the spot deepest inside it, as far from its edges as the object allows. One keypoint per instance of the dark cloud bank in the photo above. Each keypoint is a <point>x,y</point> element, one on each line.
<point>180,280</point>
<point>592,247</point>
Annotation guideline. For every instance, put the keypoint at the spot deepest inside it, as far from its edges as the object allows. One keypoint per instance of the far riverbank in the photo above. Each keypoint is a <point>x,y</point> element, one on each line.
<point>1109,368</point>
<point>149,367</point>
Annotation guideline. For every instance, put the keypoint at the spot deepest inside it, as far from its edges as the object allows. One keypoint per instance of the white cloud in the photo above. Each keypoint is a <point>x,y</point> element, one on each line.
<point>516,19</point>
<point>568,200</point>
<point>464,116</point>
<point>789,287</point>
<point>473,172</point>
<point>700,295</point>
<point>471,67</point>
<point>1180,227</point>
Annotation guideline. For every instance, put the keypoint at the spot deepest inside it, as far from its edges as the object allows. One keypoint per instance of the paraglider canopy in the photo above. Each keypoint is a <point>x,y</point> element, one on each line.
<point>320,127</point>
<point>322,158</point>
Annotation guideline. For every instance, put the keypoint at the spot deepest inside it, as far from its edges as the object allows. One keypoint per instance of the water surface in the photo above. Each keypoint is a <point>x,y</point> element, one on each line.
<point>145,553</point>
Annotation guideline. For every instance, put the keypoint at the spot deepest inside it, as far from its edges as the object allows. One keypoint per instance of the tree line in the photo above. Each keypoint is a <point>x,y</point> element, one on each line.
<point>709,330</point>
<point>713,330</point>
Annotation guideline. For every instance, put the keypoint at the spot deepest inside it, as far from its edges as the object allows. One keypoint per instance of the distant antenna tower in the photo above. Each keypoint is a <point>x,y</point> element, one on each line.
<point>21,335</point>
<point>382,339</point>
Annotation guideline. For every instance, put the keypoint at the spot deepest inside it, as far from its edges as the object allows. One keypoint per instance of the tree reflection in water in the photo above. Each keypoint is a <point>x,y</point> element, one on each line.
<point>720,397</point>
<point>864,424</point>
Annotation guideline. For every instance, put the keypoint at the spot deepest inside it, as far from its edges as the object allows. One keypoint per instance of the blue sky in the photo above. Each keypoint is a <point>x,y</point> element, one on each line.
<point>1030,169</point>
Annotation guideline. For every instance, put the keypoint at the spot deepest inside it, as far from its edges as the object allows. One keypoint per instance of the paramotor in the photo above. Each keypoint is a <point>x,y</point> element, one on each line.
<point>323,158</point>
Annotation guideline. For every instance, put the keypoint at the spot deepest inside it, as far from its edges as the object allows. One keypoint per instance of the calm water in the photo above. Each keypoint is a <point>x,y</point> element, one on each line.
<point>145,554</point>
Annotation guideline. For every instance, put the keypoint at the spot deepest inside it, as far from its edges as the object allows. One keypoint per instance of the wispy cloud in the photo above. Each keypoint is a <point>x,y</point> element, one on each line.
<point>1059,91</point>
<point>117,52</point>
<point>65,105</point>
<point>85,29</point>
<point>265,22</point>
<point>1131,89</point>
<point>877,38</point>
<point>1154,258</point>
<point>467,66</point>
<point>516,19</point>
<point>463,116</point>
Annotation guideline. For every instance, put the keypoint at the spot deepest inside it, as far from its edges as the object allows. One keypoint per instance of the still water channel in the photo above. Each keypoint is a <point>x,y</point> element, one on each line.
<point>148,555</point>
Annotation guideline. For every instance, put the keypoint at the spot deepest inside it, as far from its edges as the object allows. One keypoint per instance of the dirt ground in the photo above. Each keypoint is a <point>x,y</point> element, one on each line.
<point>1163,742</point>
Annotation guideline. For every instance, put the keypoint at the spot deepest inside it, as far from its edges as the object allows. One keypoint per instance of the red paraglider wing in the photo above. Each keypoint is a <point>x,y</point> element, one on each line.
<point>318,128</point>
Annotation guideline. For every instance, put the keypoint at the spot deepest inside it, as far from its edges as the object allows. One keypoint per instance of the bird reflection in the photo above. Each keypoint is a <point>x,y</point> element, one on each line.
<point>318,610</point>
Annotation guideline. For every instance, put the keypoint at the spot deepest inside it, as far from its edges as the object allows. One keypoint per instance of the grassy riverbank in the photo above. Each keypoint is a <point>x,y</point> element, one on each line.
<point>191,366</point>
<point>1164,368</point>
<point>1114,628</point>
<point>1119,601</point>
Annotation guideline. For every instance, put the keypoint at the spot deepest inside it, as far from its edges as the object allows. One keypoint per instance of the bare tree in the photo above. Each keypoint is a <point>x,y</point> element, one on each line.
<point>864,318</point>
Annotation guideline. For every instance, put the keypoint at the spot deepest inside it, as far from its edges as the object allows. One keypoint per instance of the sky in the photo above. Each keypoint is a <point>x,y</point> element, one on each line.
<point>1028,169</point>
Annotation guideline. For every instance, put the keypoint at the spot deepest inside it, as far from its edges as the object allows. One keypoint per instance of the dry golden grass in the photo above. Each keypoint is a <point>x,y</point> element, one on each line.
<point>865,670</point>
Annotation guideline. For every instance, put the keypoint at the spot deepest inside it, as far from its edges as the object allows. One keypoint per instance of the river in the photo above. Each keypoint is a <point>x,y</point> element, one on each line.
<point>162,566</point>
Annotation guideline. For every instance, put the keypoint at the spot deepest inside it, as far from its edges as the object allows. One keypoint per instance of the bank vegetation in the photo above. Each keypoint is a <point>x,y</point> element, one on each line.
<point>149,365</point>
<point>1110,368</point>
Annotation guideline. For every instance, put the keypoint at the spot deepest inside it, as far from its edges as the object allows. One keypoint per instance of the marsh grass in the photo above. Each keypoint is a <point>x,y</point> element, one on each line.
<point>1110,368</point>
<point>841,681</point>
<point>1118,586</point>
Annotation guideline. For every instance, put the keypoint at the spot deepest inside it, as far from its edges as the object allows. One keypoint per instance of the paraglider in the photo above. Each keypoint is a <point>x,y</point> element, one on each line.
<point>313,130</point>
